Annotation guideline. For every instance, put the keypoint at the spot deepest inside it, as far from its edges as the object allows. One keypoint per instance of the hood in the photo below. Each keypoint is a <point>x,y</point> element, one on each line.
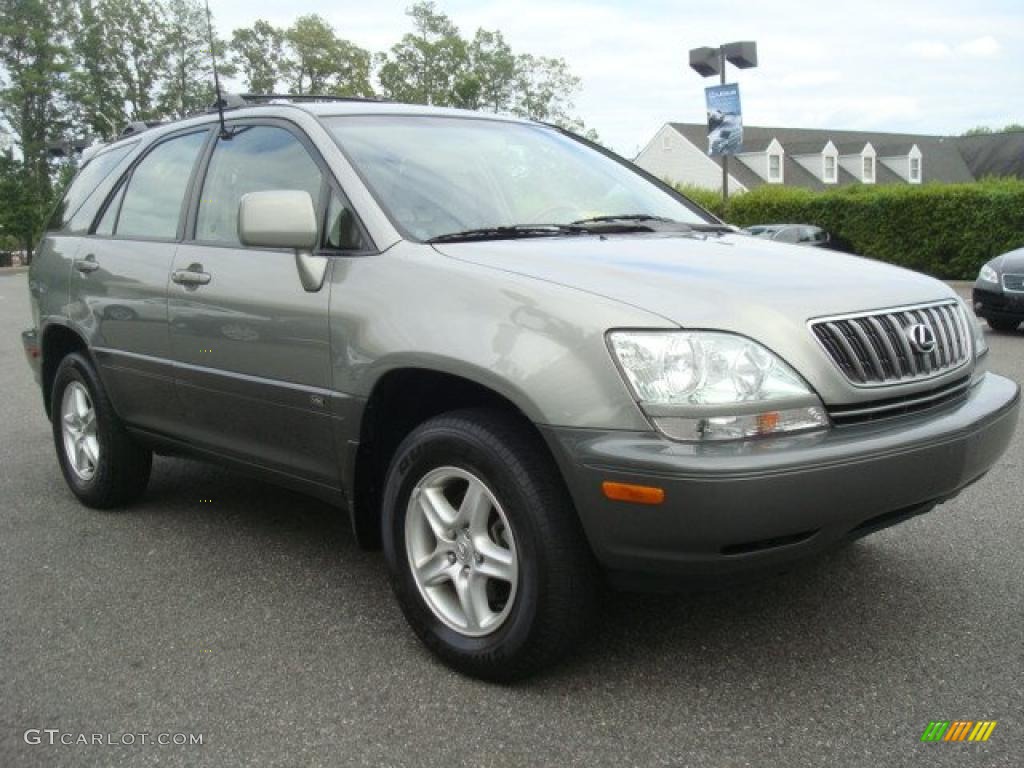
<point>1012,262</point>
<point>733,282</point>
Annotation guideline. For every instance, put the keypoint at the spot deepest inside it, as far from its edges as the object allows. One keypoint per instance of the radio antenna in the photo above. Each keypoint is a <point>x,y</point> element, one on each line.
<point>224,132</point>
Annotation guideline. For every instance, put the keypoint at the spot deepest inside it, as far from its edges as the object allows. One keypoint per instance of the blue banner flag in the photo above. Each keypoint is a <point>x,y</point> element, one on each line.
<point>725,120</point>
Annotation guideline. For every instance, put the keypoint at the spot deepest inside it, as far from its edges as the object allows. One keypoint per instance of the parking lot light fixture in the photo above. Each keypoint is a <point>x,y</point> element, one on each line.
<point>706,62</point>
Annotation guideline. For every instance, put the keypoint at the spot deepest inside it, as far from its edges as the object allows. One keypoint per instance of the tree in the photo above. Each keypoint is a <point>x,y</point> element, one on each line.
<point>135,33</point>
<point>95,86</point>
<point>318,62</point>
<point>543,90</point>
<point>984,130</point>
<point>36,61</point>
<point>492,65</point>
<point>429,65</point>
<point>258,53</point>
<point>434,65</point>
<point>188,67</point>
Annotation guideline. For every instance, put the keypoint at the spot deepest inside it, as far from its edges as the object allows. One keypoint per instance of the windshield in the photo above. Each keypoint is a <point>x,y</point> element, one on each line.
<point>436,176</point>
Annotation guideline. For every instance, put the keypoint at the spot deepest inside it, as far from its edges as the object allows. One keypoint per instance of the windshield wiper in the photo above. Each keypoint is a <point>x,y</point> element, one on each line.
<point>508,232</point>
<point>612,218</point>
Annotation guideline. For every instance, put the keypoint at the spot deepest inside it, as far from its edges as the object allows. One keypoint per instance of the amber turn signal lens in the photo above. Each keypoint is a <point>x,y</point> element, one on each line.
<point>767,422</point>
<point>638,494</point>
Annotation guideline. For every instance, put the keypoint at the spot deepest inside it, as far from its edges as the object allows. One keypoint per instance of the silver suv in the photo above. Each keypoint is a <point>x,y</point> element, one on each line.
<point>523,366</point>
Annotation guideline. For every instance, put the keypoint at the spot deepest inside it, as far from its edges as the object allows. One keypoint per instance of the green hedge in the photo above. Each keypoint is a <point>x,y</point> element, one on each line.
<point>945,230</point>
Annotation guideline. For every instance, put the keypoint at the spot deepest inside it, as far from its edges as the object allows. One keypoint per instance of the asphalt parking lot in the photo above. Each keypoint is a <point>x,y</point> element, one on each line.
<point>252,620</point>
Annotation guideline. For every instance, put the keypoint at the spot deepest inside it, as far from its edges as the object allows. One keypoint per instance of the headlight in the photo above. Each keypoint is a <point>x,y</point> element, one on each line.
<point>988,275</point>
<point>980,344</point>
<point>704,385</point>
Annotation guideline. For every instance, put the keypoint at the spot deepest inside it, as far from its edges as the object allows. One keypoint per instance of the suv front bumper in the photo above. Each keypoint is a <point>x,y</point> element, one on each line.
<point>992,302</point>
<point>735,508</point>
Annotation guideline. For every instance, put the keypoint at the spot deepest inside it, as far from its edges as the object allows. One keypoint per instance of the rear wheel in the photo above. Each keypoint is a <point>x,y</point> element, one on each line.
<point>484,547</point>
<point>101,463</point>
<point>1003,325</point>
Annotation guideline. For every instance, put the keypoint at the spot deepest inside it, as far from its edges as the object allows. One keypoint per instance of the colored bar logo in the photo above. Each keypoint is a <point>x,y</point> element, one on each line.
<point>958,730</point>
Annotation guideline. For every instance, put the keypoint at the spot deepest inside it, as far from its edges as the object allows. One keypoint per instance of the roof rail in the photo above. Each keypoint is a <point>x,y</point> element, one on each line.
<point>230,101</point>
<point>138,126</point>
<point>241,100</point>
<point>262,98</point>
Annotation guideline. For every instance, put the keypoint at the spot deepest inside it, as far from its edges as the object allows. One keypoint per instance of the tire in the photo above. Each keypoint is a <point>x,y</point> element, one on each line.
<point>545,609</point>
<point>1003,325</point>
<point>120,467</point>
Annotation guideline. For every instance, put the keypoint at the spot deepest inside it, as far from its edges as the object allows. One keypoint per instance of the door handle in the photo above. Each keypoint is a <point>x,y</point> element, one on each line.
<point>86,265</point>
<point>192,276</point>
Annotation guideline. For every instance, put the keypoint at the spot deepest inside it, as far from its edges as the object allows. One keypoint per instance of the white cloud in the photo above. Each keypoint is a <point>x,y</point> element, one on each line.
<point>928,49</point>
<point>810,78</point>
<point>983,47</point>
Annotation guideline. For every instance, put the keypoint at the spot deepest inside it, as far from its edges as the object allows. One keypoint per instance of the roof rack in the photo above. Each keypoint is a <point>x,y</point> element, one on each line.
<point>262,98</point>
<point>138,126</point>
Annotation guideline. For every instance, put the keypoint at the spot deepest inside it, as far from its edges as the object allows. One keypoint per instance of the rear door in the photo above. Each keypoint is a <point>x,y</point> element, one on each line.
<point>252,346</point>
<point>119,280</point>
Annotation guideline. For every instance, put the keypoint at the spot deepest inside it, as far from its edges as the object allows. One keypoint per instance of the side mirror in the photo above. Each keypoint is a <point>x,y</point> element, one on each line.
<point>284,218</point>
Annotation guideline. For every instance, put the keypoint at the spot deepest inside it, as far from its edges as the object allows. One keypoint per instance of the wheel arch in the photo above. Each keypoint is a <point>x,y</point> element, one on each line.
<point>402,399</point>
<point>58,341</point>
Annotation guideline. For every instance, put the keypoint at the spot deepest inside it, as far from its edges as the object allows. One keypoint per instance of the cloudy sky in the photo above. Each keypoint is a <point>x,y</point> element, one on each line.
<point>927,66</point>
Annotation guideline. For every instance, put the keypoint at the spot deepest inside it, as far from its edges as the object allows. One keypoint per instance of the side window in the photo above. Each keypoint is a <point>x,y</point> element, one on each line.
<point>255,159</point>
<point>156,189</point>
<point>342,232</point>
<point>81,190</point>
<point>788,235</point>
<point>106,225</point>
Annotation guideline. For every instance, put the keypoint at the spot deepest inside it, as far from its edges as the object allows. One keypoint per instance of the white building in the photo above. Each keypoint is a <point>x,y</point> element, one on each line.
<point>801,157</point>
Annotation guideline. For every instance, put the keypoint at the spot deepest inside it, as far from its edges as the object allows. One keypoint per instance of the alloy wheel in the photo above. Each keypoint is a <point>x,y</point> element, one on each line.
<point>461,551</point>
<point>78,427</point>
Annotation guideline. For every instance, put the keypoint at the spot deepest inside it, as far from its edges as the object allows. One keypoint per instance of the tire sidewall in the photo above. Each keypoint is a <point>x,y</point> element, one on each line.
<point>420,453</point>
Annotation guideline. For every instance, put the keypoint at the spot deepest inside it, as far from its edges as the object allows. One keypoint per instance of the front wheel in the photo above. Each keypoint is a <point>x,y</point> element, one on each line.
<point>484,547</point>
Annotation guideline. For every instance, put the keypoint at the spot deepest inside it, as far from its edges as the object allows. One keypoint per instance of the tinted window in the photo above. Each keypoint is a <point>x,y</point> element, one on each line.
<point>342,230</point>
<point>255,159</point>
<point>89,177</point>
<point>152,201</point>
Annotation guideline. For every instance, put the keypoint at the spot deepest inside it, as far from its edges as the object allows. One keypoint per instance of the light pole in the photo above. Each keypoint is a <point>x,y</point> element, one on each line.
<point>711,61</point>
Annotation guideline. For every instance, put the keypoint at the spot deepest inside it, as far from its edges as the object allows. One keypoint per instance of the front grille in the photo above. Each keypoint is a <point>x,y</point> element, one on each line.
<point>1013,283</point>
<point>891,407</point>
<point>873,348</point>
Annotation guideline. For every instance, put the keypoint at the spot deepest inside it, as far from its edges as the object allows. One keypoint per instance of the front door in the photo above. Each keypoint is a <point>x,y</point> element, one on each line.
<point>251,345</point>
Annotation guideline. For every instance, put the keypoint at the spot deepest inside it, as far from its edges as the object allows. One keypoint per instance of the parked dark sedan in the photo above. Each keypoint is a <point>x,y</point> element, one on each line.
<point>999,291</point>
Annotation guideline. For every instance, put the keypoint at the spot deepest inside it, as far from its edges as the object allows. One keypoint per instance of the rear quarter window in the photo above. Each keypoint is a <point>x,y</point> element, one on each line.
<point>80,203</point>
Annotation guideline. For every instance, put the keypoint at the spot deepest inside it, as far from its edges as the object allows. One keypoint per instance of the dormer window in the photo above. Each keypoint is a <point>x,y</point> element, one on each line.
<point>830,168</point>
<point>666,141</point>
<point>774,167</point>
<point>915,170</point>
<point>869,169</point>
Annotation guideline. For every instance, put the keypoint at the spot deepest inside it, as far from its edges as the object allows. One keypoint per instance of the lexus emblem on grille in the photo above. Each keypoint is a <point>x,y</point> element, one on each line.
<point>921,337</point>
